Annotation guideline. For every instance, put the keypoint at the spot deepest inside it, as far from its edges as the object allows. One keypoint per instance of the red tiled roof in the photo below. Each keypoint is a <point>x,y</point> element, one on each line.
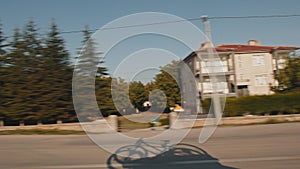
<point>248,48</point>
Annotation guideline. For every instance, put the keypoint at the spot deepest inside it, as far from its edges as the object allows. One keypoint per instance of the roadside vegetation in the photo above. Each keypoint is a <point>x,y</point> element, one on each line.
<point>36,84</point>
<point>283,103</point>
<point>40,132</point>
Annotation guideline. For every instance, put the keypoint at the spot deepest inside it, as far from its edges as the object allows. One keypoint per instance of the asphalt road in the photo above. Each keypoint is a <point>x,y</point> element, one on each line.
<point>257,146</point>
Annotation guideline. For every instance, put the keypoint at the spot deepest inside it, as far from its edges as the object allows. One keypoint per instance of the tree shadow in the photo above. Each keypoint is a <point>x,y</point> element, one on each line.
<point>173,157</point>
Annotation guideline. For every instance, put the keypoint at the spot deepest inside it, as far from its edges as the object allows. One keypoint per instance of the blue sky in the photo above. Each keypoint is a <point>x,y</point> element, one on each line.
<point>73,15</point>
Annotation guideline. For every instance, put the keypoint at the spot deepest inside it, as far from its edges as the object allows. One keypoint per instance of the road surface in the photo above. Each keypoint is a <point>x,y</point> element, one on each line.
<point>257,146</point>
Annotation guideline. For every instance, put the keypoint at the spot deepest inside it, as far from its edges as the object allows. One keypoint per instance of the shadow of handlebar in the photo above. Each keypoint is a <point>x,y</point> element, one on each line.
<point>173,157</point>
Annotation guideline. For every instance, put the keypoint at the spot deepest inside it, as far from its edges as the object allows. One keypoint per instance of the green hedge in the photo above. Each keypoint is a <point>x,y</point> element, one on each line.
<point>259,105</point>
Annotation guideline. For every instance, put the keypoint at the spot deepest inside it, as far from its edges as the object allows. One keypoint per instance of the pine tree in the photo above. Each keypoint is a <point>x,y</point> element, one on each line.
<point>3,58</point>
<point>55,45</point>
<point>104,95</point>
<point>37,79</point>
<point>120,96</point>
<point>89,58</point>
<point>56,80</point>
<point>16,93</point>
<point>2,43</point>
<point>3,70</point>
<point>31,39</point>
<point>86,70</point>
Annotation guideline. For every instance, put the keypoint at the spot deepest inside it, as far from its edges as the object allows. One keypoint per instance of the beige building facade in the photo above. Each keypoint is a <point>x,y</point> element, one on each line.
<point>244,69</point>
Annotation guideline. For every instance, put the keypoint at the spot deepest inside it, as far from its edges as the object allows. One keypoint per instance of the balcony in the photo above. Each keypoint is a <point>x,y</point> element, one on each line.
<point>209,95</point>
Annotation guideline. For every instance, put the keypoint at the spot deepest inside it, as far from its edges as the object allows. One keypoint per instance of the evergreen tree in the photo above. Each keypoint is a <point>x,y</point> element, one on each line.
<point>3,65</point>
<point>37,78</point>
<point>28,92</point>
<point>2,43</point>
<point>87,67</point>
<point>120,96</point>
<point>31,40</point>
<point>55,45</point>
<point>17,44</point>
<point>104,96</point>
<point>56,98</point>
<point>89,58</point>
<point>20,71</point>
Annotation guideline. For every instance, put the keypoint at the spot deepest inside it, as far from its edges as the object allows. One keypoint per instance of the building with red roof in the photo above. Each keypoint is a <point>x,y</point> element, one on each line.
<point>240,69</point>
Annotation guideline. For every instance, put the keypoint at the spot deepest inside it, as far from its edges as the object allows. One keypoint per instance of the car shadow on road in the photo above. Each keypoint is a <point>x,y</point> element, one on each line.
<point>176,157</point>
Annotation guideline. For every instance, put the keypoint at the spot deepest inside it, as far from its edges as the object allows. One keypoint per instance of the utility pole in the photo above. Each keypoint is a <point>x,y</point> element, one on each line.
<point>207,29</point>
<point>212,63</point>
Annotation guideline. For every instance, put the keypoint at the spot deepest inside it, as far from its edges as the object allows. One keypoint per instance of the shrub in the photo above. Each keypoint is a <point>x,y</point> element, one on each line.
<point>258,105</point>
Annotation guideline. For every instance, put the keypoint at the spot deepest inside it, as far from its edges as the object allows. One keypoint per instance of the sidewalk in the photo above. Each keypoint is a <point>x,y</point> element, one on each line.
<point>183,123</point>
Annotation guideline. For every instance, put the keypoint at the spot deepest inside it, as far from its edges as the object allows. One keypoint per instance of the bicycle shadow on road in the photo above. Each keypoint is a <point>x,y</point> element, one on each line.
<point>178,156</point>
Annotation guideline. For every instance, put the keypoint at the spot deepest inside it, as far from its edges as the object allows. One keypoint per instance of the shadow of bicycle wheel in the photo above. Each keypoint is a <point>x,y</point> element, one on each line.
<point>179,156</point>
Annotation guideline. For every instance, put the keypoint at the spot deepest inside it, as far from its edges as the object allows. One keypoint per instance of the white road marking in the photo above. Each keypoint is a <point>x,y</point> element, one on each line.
<point>260,159</point>
<point>176,162</point>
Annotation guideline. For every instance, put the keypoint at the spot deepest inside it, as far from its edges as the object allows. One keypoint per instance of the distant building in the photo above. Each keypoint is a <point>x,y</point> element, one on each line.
<point>248,69</point>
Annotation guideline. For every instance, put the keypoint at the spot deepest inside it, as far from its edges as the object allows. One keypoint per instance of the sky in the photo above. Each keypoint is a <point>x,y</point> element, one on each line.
<point>74,15</point>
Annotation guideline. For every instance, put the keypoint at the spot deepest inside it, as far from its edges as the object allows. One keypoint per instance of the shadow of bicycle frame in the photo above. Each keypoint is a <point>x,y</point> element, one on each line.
<point>174,157</point>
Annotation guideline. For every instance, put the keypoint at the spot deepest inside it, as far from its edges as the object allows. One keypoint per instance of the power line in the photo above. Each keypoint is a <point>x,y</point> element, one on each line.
<point>255,16</point>
<point>183,20</point>
<point>191,19</point>
<point>136,25</point>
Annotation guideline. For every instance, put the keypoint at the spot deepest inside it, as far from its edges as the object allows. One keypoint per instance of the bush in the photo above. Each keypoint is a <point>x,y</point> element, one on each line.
<point>259,105</point>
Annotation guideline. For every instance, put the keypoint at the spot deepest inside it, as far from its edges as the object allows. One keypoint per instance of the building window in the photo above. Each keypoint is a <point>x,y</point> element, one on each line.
<point>197,65</point>
<point>258,60</point>
<point>240,61</point>
<point>261,80</point>
<point>206,79</point>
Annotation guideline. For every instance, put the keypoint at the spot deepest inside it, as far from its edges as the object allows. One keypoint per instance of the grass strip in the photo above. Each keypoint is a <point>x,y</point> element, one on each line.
<point>40,132</point>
